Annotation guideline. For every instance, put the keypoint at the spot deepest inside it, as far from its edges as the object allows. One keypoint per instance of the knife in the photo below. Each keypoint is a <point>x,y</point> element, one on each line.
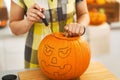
<point>45,21</point>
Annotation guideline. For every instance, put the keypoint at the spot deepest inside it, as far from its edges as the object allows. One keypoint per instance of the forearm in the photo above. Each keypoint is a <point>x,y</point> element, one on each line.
<point>82,13</point>
<point>83,19</point>
<point>20,27</point>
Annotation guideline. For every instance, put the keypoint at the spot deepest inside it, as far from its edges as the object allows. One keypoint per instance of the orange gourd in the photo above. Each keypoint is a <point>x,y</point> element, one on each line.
<point>63,58</point>
<point>97,17</point>
<point>3,23</point>
<point>100,2</point>
<point>90,1</point>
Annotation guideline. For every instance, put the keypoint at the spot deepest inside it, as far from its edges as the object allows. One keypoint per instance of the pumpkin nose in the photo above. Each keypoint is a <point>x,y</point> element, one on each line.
<point>54,60</point>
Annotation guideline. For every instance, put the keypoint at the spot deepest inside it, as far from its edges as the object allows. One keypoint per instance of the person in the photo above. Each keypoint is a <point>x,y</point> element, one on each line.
<point>69,16</point>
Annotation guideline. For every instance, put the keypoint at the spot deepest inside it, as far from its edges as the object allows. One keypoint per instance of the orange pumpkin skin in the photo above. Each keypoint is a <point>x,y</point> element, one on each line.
<point>101,18</point>
<point>62,58</point>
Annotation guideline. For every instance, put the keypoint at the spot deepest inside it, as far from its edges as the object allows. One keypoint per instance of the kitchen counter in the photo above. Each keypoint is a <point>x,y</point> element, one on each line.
<point>14,72</point>
<point>95,71</point>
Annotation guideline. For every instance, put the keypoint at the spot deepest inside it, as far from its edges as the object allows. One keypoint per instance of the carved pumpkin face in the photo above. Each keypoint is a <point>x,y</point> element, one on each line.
<point>63,58</point>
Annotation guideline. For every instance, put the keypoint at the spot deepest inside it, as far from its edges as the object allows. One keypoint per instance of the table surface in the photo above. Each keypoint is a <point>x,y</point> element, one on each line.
<point>95,71</point>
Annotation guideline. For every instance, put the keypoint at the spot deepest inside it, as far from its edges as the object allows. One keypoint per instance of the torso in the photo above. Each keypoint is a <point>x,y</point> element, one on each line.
<point>58,13</point>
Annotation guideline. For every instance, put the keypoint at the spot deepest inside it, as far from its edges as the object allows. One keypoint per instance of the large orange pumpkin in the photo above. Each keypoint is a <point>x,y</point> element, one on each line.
<point>63,58</point>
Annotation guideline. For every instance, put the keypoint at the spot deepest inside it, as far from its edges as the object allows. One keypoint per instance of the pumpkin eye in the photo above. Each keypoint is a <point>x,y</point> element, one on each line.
<point>64,52</point>
<point>48,50</point>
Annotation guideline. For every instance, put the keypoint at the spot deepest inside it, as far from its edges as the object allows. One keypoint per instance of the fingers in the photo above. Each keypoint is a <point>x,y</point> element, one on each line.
<point>35,13</point>
<point>74,29</point>
<point>36,6</point>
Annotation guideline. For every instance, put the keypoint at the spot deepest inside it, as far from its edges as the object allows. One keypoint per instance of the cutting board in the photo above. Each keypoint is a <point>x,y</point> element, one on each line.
<point>95,71</point>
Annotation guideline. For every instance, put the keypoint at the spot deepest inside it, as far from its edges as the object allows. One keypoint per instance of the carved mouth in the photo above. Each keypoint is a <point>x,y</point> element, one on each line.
<point>56,70</point>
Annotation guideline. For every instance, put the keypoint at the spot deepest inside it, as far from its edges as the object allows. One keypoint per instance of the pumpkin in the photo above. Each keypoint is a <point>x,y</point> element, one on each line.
<point>97,17</point>
<point>90,1</point>
<point>63,58</point>
<point>100,2</point>
<point>3,23</point>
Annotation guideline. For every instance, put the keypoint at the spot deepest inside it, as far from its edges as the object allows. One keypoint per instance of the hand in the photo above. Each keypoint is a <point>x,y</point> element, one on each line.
<point>35,13</point>
<point>75,29</point>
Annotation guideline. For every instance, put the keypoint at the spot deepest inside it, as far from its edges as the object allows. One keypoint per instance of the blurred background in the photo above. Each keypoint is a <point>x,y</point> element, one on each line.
<point>103,35</point>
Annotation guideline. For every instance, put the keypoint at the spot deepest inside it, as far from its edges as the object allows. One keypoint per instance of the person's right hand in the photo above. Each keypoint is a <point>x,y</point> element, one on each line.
<point>35,13</point>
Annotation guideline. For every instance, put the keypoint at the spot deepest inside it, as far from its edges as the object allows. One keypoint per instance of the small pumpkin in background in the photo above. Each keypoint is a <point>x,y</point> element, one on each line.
<point>100,2</point>
<point>90,1</point>
<point>3,23</point>
<point>3,14</point>
<point>63,58</point>
<point>97,17</point>
<point>102,16</point>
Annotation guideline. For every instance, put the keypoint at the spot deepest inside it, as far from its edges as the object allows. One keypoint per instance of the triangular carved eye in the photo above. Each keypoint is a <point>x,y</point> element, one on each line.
<point>64,52</point>
<point>48,50</point>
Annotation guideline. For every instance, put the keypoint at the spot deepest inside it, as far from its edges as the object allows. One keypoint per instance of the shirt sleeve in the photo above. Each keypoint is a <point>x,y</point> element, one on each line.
<point>78,1</point>
<point>20,3</point>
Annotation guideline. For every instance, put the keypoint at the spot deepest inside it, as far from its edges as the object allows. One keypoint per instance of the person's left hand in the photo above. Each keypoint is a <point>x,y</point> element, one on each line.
<point>75,29</point>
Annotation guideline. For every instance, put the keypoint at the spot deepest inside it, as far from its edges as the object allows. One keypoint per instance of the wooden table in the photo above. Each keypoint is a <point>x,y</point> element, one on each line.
<point>95,71</point>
